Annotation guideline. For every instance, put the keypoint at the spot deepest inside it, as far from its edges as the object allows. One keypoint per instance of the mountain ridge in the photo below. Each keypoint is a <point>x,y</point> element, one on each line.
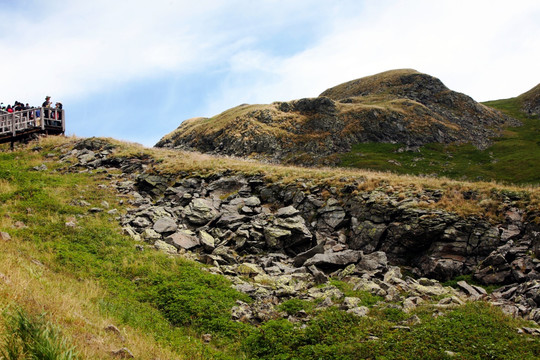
<point>397,106</point>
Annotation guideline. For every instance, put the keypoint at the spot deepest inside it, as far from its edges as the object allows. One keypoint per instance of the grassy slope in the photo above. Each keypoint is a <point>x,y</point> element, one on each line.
<point>513,158</point>
<point>87,277</point>
<point>90,276</point>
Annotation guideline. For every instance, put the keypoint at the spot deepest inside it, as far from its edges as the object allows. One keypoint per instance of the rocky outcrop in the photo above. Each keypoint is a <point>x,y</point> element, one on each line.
<point>530,101</point>
<point>279,241</point>
<point>400,106</point>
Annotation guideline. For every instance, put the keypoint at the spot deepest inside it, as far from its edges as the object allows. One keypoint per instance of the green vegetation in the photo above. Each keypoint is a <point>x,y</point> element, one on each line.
<point>145,290</point>
<point>30,337</point>
<point>294,306</point>
<point>367,299</point>
<point>512,158</point>
<point>474,331</point>
<point>90,275</point>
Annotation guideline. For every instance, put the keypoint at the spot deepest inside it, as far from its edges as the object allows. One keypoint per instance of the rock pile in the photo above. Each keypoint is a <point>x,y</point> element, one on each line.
<point>277,242</point>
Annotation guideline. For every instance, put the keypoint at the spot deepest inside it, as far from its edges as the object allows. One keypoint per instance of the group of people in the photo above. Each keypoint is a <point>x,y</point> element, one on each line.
<point>19,106</point>
<point>26,116</point>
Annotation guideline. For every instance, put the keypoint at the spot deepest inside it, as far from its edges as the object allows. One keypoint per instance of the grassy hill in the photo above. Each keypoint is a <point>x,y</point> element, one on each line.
<point>512,158</point>
<point>530,101</point>
<point>68,273</point>
<point>398,106</point>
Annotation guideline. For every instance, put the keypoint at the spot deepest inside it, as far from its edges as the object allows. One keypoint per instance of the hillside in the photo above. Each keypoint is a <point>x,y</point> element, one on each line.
<point>531,101</point>
<point>511,157</point>
<point>114,250</point>
<point>399,106</point>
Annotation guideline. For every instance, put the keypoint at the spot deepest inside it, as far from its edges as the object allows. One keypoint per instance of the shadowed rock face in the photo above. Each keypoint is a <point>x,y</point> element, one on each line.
<point>531,101</point>
<point>399,106</point>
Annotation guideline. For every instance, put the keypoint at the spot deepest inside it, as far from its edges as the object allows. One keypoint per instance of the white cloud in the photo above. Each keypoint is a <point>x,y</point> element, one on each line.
<point>80,47</point>
<point>75,49</point>
<point>486,49</point>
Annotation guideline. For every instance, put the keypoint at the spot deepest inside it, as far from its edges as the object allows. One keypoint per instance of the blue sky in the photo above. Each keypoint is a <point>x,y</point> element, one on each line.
<point>134,70</point>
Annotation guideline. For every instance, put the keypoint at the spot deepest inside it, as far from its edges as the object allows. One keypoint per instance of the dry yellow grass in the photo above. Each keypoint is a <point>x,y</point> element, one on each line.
<point>69,303</point>
<point>173,162</point>
<point>369,84</point>
<point>6,186</point>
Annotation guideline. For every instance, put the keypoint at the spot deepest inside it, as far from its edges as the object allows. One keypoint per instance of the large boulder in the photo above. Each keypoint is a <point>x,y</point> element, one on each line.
<point>200,211</point>
<point>334,259</point>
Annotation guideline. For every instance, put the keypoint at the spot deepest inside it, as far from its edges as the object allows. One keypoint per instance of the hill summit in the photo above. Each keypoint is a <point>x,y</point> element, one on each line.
<point>398,106</point>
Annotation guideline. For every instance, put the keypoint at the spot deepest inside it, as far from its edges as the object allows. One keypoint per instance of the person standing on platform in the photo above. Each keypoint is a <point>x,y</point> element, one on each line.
<point>46,104</point>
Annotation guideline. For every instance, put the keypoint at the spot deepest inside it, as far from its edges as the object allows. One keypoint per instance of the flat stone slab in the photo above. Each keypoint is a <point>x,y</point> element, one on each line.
<point>182,240</point>
<point>342,258</point>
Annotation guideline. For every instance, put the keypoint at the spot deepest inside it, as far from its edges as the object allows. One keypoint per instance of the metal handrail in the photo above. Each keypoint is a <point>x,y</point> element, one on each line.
<point>36,118</point>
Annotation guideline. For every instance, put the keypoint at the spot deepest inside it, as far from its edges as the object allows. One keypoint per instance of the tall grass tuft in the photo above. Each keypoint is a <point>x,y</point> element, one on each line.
<point>31,337</point>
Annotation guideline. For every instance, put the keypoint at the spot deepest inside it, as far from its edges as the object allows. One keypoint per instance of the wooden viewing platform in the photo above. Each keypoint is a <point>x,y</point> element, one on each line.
<point>25,124</point>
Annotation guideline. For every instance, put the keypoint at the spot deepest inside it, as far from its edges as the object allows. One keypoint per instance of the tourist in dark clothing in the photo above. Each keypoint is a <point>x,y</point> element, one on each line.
<point>46,104</point>
<point>59,110</point>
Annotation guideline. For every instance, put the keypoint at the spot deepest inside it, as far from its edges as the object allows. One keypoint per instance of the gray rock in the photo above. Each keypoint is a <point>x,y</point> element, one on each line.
<point>301,258</point>
<point>86,158</point>
<point>248,269</point>
<point>201,211</point>
<point>165,225</point>
<point>400,327</point>
<point>287,211</point>
<point>4,236</point>
<point>226,220</point>
<point>366,235</point>
<point>41,167</point>
<point>246,288</point>
<point>123,353</point>
<point>359,311</point>
<point>274,236</point>
<point>351,302</point>
<point>374,261</point>
<point>411,303</point>
<point>295,223</point>
<point>470,290</point>
<point>252,201</point>
<point>333,216</point>
<point>183,239</point>
<point>141,222</point>
<point>318,275</point>
<point>225,254</point>
<point>207,240</point>
<point>150,235</point>
<point>128,230</point>
<point>338,259</point>
<point>163,246</point>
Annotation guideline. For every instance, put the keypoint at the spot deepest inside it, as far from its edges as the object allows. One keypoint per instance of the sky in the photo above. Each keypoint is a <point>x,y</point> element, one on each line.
<point>134,70</point>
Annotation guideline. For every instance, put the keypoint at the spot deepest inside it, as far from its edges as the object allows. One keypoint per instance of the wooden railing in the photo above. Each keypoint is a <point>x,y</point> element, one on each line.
<point>18,122</point>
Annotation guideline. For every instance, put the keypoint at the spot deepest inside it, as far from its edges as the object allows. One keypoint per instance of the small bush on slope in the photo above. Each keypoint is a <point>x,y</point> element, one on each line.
<point>31,337</point>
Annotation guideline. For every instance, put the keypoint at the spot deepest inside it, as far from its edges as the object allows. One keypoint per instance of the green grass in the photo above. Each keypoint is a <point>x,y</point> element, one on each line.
<point>473,331</point>
<point>31,337</point>
<point>512,158</point>
<point>146,290</point>
<point>175,301</point>
<point>294,306</point>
